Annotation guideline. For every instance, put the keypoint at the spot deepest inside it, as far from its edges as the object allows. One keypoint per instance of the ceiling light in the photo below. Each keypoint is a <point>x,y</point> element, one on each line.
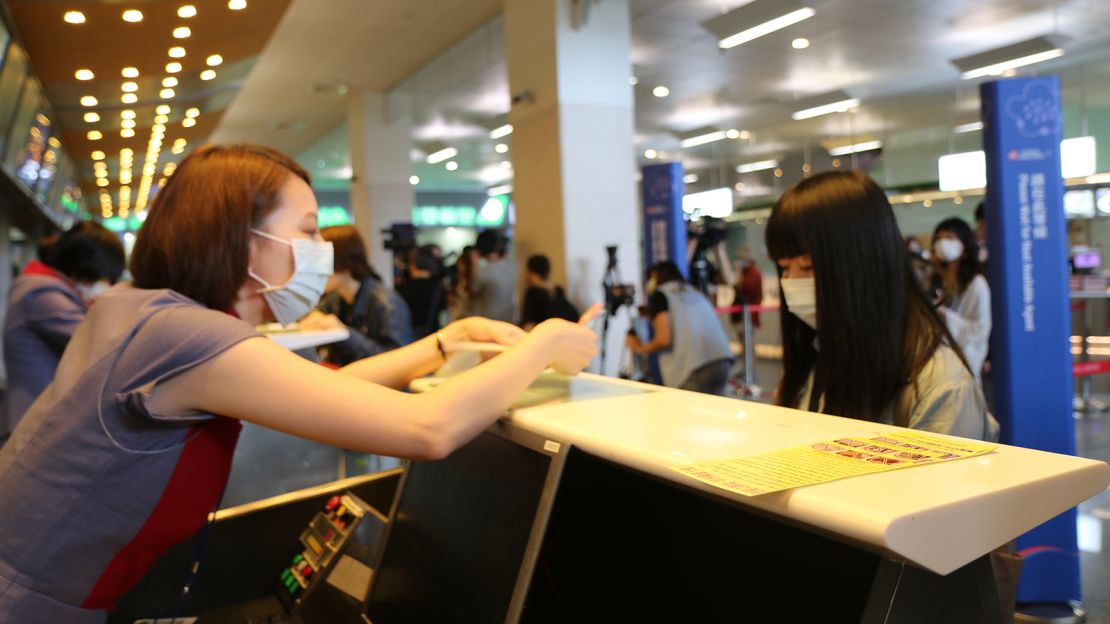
<point>177,52</point>
<point>187,11</point>
<point>660,91</point>
<point>758,165</point>
<point>632,80</point>
<point>102,182</point>
<point>169,81</point>
<point>127,123</point>
<point>755,19</point>
<point>97,155</point>
<point>237,5</point>
<point>501,148</point>
<point>650,154</point>
<point>969,127</point>
<point>74,17</point>
<point>182,32</point>
<point>854,148</point>
<point>166,94</point>
<point>133,15</point>
<point>214,60</point>
<point>801,43</point>
<point>501,131</point>
<point>414,180</point>
<point>84,74</point>
<point>88,100</point>
<point>129,98</point>
<point>127,114</point>
<point>192,112</point>
<point>177,149</point>
<point>690,178</point>
<point>834,102</point>
<point>129,87</point>
<point>732,133</point>
<point>506,164</point>
<point>127,133</point>
<point>163,109</point>
<point>92,117</point>
<point>161,119</point>
<point>129,72</point>
<point>451,165</point>
<point>702,139</point>
<point>188,122</point>
<point>126,152</point>
<point>504,189</point>
<point>94,135</point>
<point>995,62</point>
<point>442,155</point>
<point>173,67</point>
<point>745,135</point>
<point>207,74</point>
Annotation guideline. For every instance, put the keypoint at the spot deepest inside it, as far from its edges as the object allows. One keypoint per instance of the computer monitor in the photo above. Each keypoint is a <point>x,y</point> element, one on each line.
<point>465,532</point>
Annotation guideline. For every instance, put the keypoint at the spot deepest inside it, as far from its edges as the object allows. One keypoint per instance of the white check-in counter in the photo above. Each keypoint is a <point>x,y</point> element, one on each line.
<point>938,516</point>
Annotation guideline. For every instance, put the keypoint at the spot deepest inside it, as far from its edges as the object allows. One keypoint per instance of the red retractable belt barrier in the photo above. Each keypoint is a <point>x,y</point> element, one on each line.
<point>739,308</point>
<point>1087,369</point>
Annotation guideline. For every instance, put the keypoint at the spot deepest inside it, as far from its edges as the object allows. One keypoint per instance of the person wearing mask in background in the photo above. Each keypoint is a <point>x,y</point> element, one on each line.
<point>543,299</point>
<point>377,318</point>
<point>494,279</point>
<point>129,449</point>
<point>965,298</point>
<point>859,337</point>
<point>693,349</point>
<point>45,306</point>
<point>423,292</point>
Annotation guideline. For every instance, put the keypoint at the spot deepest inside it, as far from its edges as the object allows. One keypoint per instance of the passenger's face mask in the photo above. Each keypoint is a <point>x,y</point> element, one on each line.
<point>90,292</point>
<point>312,264</point>
<point>800,294</point>
<point>948,249</point>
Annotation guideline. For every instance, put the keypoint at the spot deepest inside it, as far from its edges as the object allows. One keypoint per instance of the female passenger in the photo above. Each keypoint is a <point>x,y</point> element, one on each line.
<point>45,306</point>
<point>130,446</point>
<point>965,297</point>
<point>859,337</point>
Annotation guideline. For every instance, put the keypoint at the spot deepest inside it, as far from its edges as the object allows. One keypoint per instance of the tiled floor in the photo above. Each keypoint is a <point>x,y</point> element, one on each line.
<point>1093,440</point>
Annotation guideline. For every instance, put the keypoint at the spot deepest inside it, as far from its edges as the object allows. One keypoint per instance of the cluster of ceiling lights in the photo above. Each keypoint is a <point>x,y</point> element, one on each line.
<point>128,121</point>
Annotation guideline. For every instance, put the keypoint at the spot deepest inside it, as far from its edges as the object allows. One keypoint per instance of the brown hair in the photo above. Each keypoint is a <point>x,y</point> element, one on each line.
<point>195,237</point>
<point>350,251</point>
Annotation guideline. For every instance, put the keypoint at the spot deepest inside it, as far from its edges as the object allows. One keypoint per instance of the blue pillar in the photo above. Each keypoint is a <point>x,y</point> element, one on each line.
<point>664,228</point>
<point>1031,357</point>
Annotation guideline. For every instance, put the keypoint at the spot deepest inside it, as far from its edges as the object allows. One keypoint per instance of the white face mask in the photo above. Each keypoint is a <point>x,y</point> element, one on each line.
<point>92,291</point>
<point>312,264</point>
<point>948,249</point>
<point>800,294</point>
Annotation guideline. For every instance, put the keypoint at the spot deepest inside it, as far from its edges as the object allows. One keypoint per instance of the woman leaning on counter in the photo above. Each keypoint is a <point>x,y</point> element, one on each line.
<point>129,448</point>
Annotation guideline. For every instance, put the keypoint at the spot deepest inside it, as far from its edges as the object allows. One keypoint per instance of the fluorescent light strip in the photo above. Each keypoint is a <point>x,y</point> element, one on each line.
<point>998,68</point>
<point>504,189</point>
<point>502,131</point>
<point>766,28</point>
<point>825,109</point>
<point>442,155</point>
<point>974,126</point>
<point>757,166</point>
<point>844,150</point>
<point>702,139</point>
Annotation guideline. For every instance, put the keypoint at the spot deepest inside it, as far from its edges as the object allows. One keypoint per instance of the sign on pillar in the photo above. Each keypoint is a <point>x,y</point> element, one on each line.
<point>1030,351</point>
<point>664,228</point>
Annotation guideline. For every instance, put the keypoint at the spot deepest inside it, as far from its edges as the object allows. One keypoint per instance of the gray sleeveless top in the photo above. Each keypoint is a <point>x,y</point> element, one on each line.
<point>93,485</point>
<point>697,337</point>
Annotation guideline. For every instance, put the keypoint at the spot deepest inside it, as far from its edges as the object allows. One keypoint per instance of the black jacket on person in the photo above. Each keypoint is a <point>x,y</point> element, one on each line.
<point>378,319</point>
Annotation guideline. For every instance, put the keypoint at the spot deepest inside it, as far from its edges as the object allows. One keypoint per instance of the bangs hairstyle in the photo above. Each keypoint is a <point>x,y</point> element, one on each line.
<point>196,234</point>
<point>969,265</point>
<point>875,329</point>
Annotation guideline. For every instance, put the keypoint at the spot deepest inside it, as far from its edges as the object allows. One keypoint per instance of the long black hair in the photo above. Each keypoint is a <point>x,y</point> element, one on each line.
<point>87,252</point>
<point>875,328</point>
<point>969,265</point>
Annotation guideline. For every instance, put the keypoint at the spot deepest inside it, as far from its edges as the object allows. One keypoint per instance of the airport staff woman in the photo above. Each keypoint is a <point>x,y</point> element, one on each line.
<point>130,446</point>
<point>859,337</point>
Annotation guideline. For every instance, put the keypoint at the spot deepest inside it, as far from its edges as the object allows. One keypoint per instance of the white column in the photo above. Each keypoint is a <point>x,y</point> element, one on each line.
<point>572,149</point>
<point>380,140</point>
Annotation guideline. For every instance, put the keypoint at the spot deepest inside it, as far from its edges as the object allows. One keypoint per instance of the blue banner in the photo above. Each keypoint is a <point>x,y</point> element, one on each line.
<point>664,228</point>
<point>1030,349</point>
